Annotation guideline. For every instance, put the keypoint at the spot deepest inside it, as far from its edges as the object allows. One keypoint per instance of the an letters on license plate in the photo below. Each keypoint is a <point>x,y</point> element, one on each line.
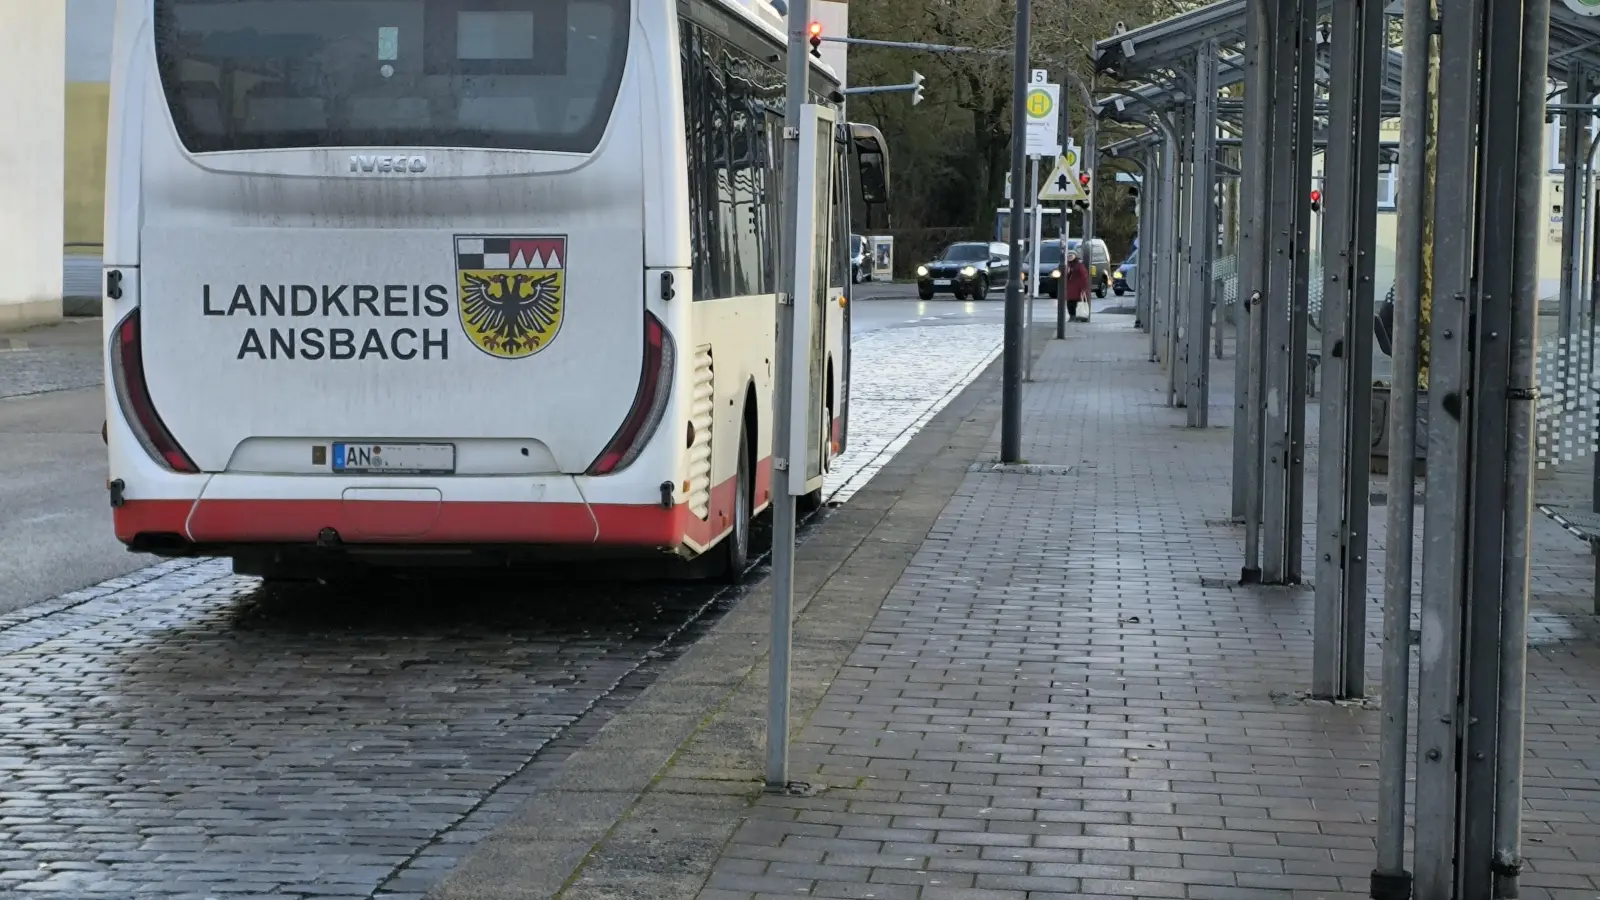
<point>941,282</point>
<point>394,459</point>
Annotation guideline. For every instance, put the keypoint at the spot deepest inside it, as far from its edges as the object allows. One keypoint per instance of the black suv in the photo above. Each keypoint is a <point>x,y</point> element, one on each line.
<point>965,269</point>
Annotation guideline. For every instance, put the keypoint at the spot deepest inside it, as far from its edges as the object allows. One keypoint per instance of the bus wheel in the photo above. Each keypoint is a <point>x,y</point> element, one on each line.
<point>736,546</point>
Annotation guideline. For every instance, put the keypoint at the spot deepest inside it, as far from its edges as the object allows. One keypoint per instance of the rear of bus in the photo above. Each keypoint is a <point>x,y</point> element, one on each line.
<point>388,273</point>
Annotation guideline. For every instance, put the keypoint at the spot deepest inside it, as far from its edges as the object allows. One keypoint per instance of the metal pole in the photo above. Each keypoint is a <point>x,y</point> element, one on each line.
<point>1287,231</point>
<point>1202,236</point>
<point>1011,391</point>
<point>1150,250</point>
<point>1252,269</point>
<point>1091,161</point>
<point>1169,260</point>
<point>1035,233</point>
<point>1487,416</point>
<point>1390,879</point>
<point>783,503</point>
<point>1339,651</point>
<point>1582,339</point>
<point>1522,398</point>
<point>1333,480</point>
<point>1572,202</point>
<point>1177,394</point>
<point>1065,132</point>
<point>1149,193</point>
<point>1445,508</point>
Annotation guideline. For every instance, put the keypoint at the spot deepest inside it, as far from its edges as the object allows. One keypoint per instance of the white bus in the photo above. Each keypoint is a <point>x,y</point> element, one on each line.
<point>400,282</point>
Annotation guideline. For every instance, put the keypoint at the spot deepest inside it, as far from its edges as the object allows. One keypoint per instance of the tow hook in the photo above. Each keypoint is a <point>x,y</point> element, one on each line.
<point>328,537</point>
<point>666,495</point>
<point>116,487</point>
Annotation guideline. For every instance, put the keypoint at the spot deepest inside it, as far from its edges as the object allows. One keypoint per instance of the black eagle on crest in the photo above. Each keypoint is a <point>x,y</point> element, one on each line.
<point>513,313</point>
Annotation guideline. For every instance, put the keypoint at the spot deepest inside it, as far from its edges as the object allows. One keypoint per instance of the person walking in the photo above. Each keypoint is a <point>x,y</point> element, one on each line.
<point>1077,287</point>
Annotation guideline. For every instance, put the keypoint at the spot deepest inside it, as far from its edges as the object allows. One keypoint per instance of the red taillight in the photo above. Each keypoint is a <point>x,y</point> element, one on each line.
<point>133,395</point>
<point>649,403</point>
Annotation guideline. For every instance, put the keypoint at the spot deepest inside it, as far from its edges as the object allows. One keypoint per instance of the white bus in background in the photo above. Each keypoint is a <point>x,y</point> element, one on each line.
<point>418,281</point>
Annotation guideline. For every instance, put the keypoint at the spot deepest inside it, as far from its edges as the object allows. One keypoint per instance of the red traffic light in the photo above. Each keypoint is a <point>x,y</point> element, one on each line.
<point>1083,179</point>
<point>815,30</point>
<point>1316,196</point>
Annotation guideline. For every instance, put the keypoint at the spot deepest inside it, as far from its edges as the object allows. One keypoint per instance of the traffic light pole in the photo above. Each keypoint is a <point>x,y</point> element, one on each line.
<point>914,87</point>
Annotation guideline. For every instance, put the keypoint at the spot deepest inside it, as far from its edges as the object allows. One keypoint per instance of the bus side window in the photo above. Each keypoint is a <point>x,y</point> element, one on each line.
<point>873,189</point>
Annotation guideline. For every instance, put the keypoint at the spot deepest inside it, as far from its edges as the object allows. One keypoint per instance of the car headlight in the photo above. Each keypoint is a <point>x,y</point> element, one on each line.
<point>970,271</point>
<point>1056,274</point>
<point>922,271</point>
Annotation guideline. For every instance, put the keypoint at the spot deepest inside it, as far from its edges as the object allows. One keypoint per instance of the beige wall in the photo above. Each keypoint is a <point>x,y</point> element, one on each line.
<point>31,143</point>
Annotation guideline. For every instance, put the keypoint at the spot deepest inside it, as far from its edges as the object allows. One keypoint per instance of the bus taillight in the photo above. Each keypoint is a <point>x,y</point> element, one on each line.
<point>649,403</point>
<point>133,396</point>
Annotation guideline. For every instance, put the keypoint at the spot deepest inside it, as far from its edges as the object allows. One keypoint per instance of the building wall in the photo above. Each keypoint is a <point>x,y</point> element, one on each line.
<point>31,146</point>
<point>1549,247</point>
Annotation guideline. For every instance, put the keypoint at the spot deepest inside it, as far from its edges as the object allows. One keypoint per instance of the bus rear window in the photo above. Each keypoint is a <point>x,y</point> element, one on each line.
<point>496,74</point>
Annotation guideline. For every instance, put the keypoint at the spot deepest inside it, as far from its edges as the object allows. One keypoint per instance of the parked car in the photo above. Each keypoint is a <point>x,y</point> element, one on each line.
<point>965,269</point>
<point>1126,277</point>
<point>1051,259</point>
<point>860,266</point>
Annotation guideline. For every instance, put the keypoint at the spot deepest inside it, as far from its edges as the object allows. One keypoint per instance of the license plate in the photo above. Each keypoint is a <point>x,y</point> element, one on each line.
<point>395,459</point>
<point>941,282</point>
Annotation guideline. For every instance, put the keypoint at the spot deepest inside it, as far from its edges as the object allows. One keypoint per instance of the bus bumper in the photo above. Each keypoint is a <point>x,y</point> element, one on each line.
<point>234,511</point>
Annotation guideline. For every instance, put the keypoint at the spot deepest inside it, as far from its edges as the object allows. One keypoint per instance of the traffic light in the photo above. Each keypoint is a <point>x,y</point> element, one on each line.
<point>916,92</point>
<point>1316,201</point>
<point>816,39</point>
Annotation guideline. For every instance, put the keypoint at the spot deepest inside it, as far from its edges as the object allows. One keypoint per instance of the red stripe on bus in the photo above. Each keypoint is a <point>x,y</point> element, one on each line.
<point>451,522</point>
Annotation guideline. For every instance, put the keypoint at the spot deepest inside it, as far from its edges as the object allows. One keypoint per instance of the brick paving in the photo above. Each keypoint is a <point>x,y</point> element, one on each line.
<point>182,733</point>
<point>1065,695</point>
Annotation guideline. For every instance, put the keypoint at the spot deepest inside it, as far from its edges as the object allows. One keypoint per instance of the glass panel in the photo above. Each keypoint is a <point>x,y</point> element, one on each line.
<point>516,74</point>
<point>819,292</point>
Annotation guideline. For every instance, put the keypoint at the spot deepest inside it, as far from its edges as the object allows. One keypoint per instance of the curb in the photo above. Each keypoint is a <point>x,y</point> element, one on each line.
<point>646,807</point>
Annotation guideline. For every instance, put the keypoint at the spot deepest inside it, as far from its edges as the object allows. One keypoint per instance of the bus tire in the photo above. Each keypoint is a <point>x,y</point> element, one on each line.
<point>736,546</point>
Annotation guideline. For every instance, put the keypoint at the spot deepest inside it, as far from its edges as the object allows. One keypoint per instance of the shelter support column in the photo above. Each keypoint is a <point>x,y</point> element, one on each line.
<point>31,144</point>
<point>1202,236</point>
<point>1284,301</point>
<point>1359,40</point>
<point>1252,276</point>
<point>1478,499</point>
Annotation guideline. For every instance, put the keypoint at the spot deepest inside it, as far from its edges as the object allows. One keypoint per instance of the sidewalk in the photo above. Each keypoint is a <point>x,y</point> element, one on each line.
<point>1064,694</point>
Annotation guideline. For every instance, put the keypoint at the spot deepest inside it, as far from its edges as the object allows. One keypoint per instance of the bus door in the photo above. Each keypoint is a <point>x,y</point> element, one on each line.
<point>821,295</point>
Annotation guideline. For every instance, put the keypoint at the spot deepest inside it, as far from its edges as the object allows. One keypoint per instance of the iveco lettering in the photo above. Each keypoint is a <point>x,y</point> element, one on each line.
<point>418,282</point>
<point>394,164</point>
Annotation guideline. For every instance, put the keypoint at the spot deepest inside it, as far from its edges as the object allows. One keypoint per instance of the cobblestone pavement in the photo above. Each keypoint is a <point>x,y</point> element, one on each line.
<point>181,732</point>
<point>1067,695</point>
<point>898,398</point>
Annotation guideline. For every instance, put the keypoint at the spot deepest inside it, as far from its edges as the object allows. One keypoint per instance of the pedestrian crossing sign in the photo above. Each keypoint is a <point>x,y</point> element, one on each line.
<point>1063,185</point>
